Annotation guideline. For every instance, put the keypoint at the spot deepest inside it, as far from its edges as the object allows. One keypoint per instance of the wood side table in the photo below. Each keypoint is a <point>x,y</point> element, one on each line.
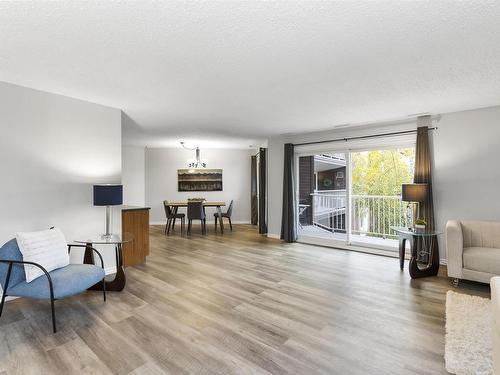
<point>118,282</point>
<point>423,243</point>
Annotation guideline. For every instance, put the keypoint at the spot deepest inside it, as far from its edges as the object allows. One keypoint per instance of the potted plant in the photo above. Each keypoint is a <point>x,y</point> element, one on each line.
<point>420,224</point>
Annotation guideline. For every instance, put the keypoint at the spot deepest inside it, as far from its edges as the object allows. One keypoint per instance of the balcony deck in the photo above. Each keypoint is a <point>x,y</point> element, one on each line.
<point>367,241</point>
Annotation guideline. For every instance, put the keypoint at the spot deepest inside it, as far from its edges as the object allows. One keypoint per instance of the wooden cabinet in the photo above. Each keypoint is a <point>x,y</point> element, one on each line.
<point>135,222</point>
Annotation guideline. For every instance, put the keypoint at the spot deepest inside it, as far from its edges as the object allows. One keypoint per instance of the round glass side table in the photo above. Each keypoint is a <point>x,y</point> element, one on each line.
<point>118,282</point>
<point>423,244</point>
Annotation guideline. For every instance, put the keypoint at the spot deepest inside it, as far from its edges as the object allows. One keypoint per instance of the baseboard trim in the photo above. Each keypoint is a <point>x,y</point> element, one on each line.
<point>274,235</point>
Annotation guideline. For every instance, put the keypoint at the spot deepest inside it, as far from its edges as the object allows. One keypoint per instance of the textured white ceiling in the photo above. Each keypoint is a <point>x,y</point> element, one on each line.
<point>245,70</point>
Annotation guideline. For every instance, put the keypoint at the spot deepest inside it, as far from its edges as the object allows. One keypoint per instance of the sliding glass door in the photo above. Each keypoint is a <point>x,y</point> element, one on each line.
<point>322,196</point>
<point>353,197</point>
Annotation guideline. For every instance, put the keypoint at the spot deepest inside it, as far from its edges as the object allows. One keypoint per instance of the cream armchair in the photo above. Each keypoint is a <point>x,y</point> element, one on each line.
<point>473,250</point>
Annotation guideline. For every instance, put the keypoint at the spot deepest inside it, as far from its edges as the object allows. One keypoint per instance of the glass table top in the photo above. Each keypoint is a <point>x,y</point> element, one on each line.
<point>101,239</point>
<point>419,232</point>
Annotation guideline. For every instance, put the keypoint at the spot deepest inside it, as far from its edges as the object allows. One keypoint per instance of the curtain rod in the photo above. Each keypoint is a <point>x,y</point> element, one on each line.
<point>361,137</point>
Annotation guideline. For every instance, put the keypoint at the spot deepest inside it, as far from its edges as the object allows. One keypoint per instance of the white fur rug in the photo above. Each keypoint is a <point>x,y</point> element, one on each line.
<point>469,323</point>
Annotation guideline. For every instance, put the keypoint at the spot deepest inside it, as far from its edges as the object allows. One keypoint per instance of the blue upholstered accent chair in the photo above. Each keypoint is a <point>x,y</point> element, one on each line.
<point>57,284</point>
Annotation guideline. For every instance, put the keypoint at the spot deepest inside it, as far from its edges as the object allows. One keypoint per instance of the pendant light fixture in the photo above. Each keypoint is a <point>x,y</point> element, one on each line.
<point>198,162</point>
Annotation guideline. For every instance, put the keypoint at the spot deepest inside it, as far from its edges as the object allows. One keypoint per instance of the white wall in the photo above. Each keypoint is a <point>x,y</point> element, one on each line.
<point>466,166</point>
<point>134,175</point>
<point>466,175</point>
<point>52,149</point>
<point>161,179</point>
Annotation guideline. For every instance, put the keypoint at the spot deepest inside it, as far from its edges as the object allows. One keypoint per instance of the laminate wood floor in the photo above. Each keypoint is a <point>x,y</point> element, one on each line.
<point>239,304</point>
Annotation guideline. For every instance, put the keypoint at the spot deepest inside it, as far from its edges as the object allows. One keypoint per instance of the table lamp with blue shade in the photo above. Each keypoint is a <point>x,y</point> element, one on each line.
<point>108,195</point>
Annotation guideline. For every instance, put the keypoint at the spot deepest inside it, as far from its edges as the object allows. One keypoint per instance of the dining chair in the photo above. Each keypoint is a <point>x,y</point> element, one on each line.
<point>171,216</point>
<point>196,211</point>
<point>226,214</point>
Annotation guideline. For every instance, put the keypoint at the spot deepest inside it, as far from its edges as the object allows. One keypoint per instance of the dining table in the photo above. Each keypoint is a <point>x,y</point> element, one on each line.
<point>175,206</point>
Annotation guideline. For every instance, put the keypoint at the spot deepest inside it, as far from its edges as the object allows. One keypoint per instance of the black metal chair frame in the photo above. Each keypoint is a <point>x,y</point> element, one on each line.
<point>49,279</point>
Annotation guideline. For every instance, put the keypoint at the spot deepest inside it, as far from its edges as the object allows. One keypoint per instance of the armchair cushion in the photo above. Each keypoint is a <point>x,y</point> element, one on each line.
<point>481,234</point>
<point>483,259</point>
<point>67,281</point>
<point>47,248</point>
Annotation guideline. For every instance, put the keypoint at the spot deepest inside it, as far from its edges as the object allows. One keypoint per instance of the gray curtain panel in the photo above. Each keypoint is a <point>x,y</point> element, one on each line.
<point>289,212</point>
<point>262,191</point>
<point>423,175</point>
<point>254,204</point>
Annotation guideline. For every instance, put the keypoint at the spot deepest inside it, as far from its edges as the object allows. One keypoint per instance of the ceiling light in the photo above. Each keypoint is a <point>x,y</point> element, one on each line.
<point>195,163</point>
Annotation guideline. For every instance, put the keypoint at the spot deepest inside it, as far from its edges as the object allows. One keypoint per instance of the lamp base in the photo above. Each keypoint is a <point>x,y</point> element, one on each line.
<point>109,221</point>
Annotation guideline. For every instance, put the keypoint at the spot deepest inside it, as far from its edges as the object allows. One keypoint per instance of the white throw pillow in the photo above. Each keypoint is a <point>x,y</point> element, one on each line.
<point>48,248</point>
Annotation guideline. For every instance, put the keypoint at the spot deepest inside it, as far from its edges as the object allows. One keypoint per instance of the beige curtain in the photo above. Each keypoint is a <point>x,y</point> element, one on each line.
<point>423,173</point>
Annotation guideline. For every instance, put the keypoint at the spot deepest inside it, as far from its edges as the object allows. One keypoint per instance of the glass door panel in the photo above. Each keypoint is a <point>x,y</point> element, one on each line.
<point>322,197</point>
<point>376,205</point>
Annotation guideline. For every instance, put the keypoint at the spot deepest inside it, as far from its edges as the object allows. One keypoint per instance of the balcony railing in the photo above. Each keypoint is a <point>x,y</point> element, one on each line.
<point>371,215</point>
<point>329,210</point>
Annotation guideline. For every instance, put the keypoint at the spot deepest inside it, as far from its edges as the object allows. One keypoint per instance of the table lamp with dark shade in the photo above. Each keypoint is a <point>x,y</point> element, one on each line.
<point>108,195</point>
<point>414,193</point>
